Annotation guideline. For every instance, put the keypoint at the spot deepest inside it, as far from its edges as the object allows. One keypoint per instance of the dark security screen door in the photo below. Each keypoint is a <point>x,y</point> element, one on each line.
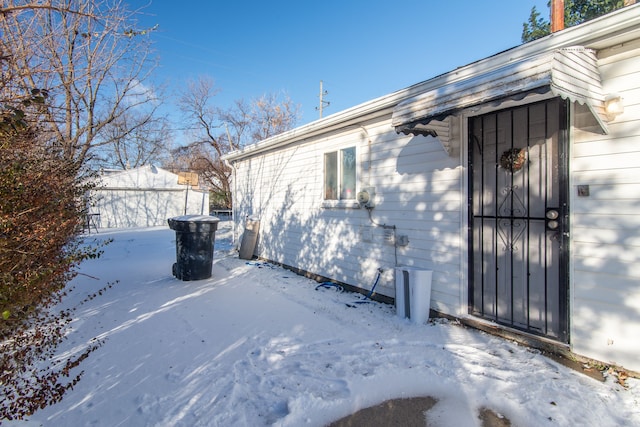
<point>518,218</point>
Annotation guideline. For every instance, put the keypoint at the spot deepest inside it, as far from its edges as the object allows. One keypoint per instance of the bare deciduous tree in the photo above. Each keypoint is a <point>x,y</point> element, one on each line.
<point>68,68</point>
<point>203,155</point>
<point>259,119</point>
<point>216,132</point>
<point>134,139</point>
<point>88,56</point>
<point>271,116</point>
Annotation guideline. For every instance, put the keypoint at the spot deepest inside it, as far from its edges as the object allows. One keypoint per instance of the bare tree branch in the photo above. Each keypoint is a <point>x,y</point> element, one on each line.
<point>90,59</point>
<point>217,131</point>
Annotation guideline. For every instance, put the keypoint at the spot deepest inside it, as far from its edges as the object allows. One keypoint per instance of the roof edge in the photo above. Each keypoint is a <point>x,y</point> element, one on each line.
<point>619,26</point>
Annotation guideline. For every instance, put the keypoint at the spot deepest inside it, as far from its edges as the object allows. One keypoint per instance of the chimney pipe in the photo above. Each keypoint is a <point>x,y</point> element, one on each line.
<point>557,15</point>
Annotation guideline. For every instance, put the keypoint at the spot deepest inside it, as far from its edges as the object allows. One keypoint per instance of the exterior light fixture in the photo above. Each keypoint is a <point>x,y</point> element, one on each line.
<point>613,106</point>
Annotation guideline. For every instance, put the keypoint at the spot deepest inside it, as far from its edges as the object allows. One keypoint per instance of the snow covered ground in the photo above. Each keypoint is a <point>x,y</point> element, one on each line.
<point>257,345</point>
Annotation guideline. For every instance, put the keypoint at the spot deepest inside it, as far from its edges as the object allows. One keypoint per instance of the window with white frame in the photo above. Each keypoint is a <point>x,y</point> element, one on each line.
<point>340,174</point>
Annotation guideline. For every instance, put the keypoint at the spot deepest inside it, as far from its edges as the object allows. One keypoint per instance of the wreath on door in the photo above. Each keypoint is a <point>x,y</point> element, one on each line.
<point>513,159</point>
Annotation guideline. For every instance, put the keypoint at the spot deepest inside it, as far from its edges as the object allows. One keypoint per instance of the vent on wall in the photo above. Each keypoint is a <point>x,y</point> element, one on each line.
<point>413,293</point>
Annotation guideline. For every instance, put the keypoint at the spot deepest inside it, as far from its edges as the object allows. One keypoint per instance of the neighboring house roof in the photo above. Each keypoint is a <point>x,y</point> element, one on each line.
<point>144,177</point>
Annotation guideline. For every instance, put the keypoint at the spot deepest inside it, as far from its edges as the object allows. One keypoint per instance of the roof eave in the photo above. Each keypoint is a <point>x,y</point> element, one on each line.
<point>614,28</point>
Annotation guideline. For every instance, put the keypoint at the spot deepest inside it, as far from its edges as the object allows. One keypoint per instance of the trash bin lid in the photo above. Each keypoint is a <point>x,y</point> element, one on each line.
<point>196,218</point>
<point>194,223</point>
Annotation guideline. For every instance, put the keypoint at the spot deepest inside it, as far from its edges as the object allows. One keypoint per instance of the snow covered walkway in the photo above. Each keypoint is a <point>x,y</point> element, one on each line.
<point>257,345</point>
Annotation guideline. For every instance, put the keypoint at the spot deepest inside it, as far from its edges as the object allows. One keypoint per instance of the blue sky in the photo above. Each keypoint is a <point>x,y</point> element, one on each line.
<point>360,49</point>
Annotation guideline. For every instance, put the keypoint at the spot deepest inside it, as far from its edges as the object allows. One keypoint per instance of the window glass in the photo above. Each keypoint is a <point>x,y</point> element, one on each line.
<point>348,175</point>
<point>340,174</point>
<point>331,176</point>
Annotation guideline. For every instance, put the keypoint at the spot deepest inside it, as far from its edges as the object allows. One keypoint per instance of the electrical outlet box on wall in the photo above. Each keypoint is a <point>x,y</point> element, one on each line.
<point>366,197</point>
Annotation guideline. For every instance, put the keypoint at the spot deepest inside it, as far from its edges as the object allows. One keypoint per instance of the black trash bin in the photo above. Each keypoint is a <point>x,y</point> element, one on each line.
<point>195,238</point>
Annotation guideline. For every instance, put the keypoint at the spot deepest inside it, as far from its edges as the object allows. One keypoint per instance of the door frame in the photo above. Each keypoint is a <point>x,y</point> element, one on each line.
<point>564,185</point>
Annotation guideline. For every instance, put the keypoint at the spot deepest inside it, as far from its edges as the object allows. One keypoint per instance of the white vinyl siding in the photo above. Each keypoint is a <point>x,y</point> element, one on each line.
<point>417,189</point>
<point>144,197</point>
<point>419,186</point>
<point>606,224</point>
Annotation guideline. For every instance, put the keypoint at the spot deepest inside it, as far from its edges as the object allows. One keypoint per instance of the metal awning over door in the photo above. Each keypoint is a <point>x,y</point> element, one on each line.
<point>570,73</point>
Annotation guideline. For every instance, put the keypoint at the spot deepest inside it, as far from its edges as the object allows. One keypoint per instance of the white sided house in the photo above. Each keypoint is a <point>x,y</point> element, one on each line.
<point>143,197</point>
<point>514,179</point>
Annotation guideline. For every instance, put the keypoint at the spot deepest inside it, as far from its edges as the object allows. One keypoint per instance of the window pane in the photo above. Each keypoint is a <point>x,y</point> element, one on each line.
<point>331,176</point>
<point>348,182</point>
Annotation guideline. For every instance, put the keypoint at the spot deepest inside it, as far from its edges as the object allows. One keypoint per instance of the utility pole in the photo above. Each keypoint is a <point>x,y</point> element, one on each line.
<point>323,103</point>
<point>229,137</point>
